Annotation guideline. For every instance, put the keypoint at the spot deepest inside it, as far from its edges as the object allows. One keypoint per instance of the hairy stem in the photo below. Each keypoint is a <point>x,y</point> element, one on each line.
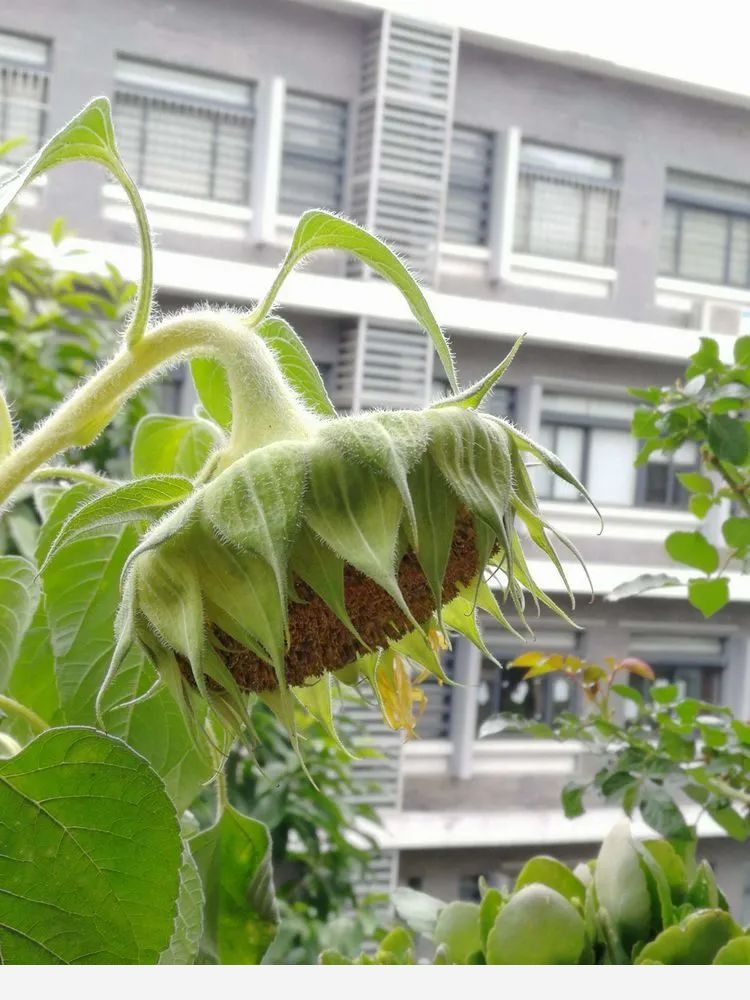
<point>264,408</point>
<point>12,707</point>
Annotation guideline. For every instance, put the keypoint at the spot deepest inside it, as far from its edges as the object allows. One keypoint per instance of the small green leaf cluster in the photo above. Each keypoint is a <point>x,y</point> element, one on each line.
<point>669,752</point>
<point>637,903</point>
<point>709,407</point>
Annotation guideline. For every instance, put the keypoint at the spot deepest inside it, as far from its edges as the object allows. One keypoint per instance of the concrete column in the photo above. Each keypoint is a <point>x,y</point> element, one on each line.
<point>468,663</point>
<point>266,176</point>
<point>503,202</point>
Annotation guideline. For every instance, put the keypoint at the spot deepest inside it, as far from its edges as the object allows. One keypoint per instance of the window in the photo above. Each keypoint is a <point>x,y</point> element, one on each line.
<point>185,133</point>
<point>591,435</point>
<point>706,230</point>
<point>313,154</point>
<point>694,663</point>
<point>566,205</point>
<point>541,698</point>
<point>467,208</point>
<point>658,482</point>
<point>468,888</point>
<point>24,85</point>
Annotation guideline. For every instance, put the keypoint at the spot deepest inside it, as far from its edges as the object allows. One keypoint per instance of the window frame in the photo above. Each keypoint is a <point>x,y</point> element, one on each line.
<point>148,97</point>
<point>342,163</point>
<point>731,210</point>
<point>586,183</point>
<point>42,70</point>
<point>484,193</point>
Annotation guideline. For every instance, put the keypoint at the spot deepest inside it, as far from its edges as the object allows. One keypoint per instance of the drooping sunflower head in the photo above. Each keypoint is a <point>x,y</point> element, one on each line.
<point>351,550</point>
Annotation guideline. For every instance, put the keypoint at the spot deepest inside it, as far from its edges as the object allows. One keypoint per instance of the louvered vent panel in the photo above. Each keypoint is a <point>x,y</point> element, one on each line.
<point>419,60</point>
<point>371,56</point>
<point>377,779</point>
<point>345,372</point>
<point>362,158</point>
<point>396,367</point>
<point>413,142</point>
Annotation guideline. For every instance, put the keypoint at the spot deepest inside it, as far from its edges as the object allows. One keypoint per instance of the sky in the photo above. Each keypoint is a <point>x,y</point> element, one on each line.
<point>704,43</point>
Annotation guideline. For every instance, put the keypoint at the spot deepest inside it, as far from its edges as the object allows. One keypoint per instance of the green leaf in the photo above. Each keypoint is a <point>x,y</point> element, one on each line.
<point>418,910</point>
<point>234,860</point>
<point>188,925</point>
<point>171,445</point>
<point>660,811</point>
<point>709,596</point>
<point>736,951</point>
<point>729,819</point>
<point>700,505</point>
<point>472,397</point>
<point>664,694</point>
<point>81,608</point>
<point>138,500</point>
<point>629,693</point>
<point>695,482</point>
<point>728,438</point>
<point>692,549</point>
<point>572,800</point>
<point>537,926</point>
<point>694,941</point>
<point>91,849</point>
<point>317,230</point>
<point>295,362</point>
<point>457,928</point>
<point>90,136</point>
<point>553,873</point>
<point>212,386</point>
<point>736,532</point>
<point>640,584</point>
<point>742,351</point>
<point>705,358</point>
<point>19,595</point>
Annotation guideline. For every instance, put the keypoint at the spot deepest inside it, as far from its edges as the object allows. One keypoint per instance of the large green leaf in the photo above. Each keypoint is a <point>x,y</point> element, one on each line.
<point>19,594</point>
<point>709,596</point>
<point>318,230</point>
<point>234,860</point>
<point>90,853</point>
<point>171,445</point>
<point>212,386</point>
<point>81,609</point>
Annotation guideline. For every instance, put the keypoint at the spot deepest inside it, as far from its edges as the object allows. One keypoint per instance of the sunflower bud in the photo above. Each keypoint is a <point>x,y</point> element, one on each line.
<point>348,548</point>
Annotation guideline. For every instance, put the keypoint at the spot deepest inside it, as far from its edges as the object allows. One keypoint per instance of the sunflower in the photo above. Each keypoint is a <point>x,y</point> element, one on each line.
<point>346,549</point>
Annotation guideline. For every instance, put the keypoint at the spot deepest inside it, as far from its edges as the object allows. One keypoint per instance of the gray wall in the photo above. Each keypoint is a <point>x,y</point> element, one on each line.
<point>649,128</point>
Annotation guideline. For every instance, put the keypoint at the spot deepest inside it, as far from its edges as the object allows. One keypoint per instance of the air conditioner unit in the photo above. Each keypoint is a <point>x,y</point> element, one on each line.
<point>722,317</point>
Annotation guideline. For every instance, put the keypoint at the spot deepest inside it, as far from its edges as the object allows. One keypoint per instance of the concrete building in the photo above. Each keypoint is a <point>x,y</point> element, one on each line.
<point>607,215</point>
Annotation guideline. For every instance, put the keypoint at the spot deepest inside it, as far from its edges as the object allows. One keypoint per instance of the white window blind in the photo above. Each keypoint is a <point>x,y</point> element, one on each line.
<point>183,132</point>
<point>467,208</point>
<point>566,205</point>
<point>706,230</point>
<point>313,154</point>
<point>24,85</point>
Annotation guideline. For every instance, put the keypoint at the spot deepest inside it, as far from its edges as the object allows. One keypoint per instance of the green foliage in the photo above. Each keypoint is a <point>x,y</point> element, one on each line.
<point>55,326</point>
<point>668,749</point>
<point>710,408</point>
<point>636,909</point>
<point>319,848</point>
<point>91,849</point>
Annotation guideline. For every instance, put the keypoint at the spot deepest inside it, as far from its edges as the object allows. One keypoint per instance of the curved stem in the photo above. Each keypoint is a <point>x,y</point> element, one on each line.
<point>139,320</point>
<point>264,408</point>
<point>12,707</point>
<point>70,473</point>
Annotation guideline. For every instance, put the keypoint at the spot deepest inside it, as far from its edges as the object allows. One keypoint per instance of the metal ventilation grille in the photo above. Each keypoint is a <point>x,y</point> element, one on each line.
<point>396,368</point>
<point>403,124</point>
<point>419,60</point>
<point>378,779</point>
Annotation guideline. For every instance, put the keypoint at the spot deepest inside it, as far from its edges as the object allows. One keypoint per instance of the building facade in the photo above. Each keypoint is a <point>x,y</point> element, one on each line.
<point>607,218</point>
